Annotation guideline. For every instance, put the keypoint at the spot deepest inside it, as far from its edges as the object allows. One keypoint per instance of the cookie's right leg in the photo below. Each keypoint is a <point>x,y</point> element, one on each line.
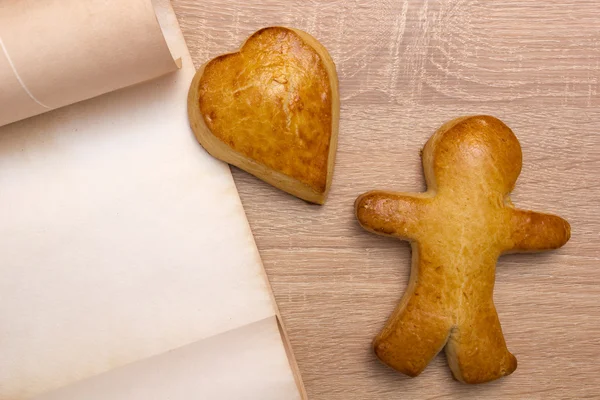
<point>476,350</point>
<point>413,336</point>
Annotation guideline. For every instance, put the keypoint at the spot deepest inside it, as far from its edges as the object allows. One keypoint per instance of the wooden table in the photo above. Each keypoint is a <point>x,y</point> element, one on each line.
<point>406,67</point>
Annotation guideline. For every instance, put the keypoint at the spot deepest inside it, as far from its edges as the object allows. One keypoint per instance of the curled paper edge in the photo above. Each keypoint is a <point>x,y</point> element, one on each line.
<point>53,54</point>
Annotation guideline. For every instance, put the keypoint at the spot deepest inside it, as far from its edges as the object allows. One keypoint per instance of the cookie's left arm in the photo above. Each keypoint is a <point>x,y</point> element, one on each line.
<point>390,214</point>
<point>532,231</point>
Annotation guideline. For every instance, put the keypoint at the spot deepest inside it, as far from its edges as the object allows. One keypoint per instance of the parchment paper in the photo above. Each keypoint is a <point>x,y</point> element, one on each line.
<point>58,52</point>
<point>252,354</point>
<point>122,239</point>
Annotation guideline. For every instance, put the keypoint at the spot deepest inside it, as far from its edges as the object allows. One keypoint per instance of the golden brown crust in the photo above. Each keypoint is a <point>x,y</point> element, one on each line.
<point>457,229</point>
<point>273,107</point>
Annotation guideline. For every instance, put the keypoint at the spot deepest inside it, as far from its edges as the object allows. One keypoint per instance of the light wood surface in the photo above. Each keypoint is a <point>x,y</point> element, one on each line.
<point>406,67</point>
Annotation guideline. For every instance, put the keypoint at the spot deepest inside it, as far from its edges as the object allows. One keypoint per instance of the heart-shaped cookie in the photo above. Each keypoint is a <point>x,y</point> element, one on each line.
<point>271,109</point>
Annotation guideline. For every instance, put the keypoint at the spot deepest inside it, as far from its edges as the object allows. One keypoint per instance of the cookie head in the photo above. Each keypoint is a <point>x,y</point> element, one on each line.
<point>475,153</point>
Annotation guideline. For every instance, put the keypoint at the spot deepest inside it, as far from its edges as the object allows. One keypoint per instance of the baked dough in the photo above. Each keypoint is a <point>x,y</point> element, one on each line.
<point>458,228</point>
<point>271,109</point>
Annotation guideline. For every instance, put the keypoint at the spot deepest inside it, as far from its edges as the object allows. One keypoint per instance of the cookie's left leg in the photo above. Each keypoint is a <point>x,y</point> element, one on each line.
<point>476,350</point>
<point>413,335</point>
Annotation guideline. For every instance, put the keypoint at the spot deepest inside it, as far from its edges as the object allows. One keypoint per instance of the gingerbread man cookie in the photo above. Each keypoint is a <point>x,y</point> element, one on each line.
<point>457,228</point>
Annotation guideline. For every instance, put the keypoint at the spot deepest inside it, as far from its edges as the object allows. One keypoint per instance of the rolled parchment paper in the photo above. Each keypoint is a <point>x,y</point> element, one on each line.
<point>58,52</point>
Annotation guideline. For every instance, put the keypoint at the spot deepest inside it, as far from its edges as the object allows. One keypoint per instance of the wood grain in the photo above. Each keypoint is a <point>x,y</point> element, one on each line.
<point>405,68</point>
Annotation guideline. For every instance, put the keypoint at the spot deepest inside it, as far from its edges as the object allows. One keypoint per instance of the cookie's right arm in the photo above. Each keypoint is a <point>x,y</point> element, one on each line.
<point>532,231</point>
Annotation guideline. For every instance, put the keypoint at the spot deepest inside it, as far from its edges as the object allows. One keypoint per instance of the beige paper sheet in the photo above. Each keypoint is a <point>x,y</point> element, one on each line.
<point>248,363</point>
<point>58,52</point>
<point>122,239</point>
